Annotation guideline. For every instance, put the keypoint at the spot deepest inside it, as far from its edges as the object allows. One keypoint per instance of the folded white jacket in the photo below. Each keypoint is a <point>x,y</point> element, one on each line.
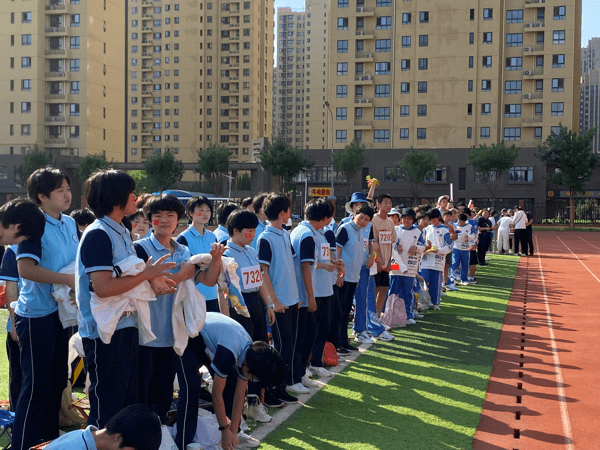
<point>107,311</point>
<point>67,311</point>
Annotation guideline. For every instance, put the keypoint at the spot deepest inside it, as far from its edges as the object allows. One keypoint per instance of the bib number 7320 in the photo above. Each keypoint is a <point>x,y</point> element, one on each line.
<point>252,277</point>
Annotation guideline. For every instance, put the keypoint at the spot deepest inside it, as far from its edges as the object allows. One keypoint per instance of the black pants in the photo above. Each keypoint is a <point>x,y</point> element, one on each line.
<point>336,318</point>
<point>44,363</point>
<point>157,372</point>
<point>113,371</point>
<point>521,239</point>
<point>15,374</point>
<point>346,296</point>
<point>529,240</point>
<point>213,305</point>
<point>482,246</point>
<point>323,319</point>
<point>307,332</point>
<point>285,331</point>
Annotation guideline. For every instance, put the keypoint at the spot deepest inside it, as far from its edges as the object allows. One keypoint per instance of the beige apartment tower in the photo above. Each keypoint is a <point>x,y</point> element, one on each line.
<point>199,73</point>
<point>63,72</point>
<point>441,74</point>
<point>589,112</point>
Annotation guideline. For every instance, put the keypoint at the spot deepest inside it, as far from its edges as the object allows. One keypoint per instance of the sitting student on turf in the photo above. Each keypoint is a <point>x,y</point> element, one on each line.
<point>257,207</point>
<point>234,359</point>
<point>140,223</point>
<point>83,218</point>
<point>432,262</point>
<point>200,240</point>
<point>113,367</point>
<point>223,212</point>
<point>135,427</point>
<point>44,351</point>
<point>462,246</point>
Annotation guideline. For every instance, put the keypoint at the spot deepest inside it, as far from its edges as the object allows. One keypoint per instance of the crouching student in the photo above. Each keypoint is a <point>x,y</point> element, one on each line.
<point>433,260</point>
<point>234,359</point>
<point>462,247</point>
<point>112,367</point>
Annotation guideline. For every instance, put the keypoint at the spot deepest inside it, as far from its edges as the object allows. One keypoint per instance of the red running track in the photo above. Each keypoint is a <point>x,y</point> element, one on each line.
<point>543,388</point>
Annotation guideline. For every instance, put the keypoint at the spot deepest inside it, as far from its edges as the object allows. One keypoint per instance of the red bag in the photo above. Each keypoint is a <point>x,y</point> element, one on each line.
<point>330,357</point>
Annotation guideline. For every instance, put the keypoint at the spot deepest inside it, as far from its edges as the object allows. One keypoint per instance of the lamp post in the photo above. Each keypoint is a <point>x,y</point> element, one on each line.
<point>331,113</point>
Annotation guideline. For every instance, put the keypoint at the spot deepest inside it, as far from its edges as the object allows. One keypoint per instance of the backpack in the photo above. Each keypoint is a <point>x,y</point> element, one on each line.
<point>330,357</point>
<point>394,315</point>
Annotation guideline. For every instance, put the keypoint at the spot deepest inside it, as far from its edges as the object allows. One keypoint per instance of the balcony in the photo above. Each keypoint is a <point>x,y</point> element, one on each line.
<point>364,34</point>
<point>363,11</point>
<point>234,25</point>
<point>146,119</point>
<point>56,74</point>
<point>364,56</point>
<point>55,96</point>
<point>361,124</point>
<point>146,107</point>
<point>534,50</point>
<point>533,26</point>
<point>364,79</point>
<point>55,6</point>
<point>234,38</point>
<point>55,141</point>
<point>532,121</point>
<point>147,41</point>
<point>146,132</point>
<point>60,30</point>
<point>146,68</point>
<point>147,16</point>
<point>146,81</point>
<point>364,102</point>
<point>234,105</point>
<point>533,98</point>
<point>147,144</point>
<point>234,91</point>
<point>234,65</point>
<point>146,3</point>
<point>234,52</point>
<point>537,73</point>
<point>233,131</point>
<point>56,51</point>
<point>234,78</point>
<point>146,94</point>
<point>533,3</point>
<point>56,119</point>
<point>146,28</point>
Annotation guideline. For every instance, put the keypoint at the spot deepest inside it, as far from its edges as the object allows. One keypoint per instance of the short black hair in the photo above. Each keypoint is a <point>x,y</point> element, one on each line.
<point>163,202</point>
<point>43,181</point>
<point>197,201</point>
<point>126,221</point>
<point>246,202</point>
<point>434,213</point>
<point>265,363</point>
<point>275,203</point>
<point>459,204</point>
<point>447,213</point>
<point>422,215</point>
<point>27,215</point>
<point>138,426</point>
<point>463,216</point>
<point>317,210</point>
<point>223,212</point>
<point>240,219</point>
<point>331,208</point>
<point>257,201</point>
<point>366,209</point>
<point>107,189</point>
<point>83,217</point>
<point>138,213</point>
<point>382,197</point>
<point>467,211</point>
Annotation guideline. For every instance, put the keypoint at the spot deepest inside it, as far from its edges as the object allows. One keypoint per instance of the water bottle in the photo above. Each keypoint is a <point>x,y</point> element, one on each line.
<point>252,410</point>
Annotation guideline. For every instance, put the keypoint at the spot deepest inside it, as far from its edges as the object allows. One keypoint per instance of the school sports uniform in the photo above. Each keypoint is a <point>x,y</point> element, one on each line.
<point>75,440</point>
<point>259,229</point>
<point>432,264</point>
<point>221,234</point>
<point>462,247</point>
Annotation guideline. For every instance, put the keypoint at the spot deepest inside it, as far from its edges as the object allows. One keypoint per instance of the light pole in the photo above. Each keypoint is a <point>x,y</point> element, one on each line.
<point>331,113</point>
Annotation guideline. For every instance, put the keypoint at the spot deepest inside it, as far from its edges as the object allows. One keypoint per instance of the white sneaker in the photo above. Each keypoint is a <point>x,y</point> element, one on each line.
<point>418,316</point>
<point>465,283</point>
<point>451,287</point>
<point>411,322</point>
<point>247,441</point>
<point>261,414</point>
<point>387,328</point>
<point>321,371</point>
<point>436,307</point>
<point>298,388</point>
<point>363,338</point>
<point>308,373</point>
<point>243,425</point>
<point>443,294</point>
<point>307,382</point>
<point>385,336</point>
<point>472,280</point>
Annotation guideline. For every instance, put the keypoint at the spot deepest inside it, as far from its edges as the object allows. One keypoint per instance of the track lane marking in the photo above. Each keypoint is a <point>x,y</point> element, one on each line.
<point>582,263</point>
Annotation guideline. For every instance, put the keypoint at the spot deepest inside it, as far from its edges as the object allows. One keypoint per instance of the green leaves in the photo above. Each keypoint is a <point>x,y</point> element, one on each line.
<point>491,162</point>
<point>32,162</point>
<point>284,161</point>
<point>163,171</point>
<point>89,165</point>
<point>212,162</point>
<point>415,166</point>
<point>350,160</point>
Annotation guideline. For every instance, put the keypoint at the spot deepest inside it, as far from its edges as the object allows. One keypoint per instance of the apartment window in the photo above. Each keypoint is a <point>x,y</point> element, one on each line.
<point>421,133</point>
<point>469,109</point>
<point>74,109</point>
<point>539,109</point>
<point>469,133</point>
<point>558,84</point>
<point>486,85</point>
<point>422,110</point>
<point>471,38</point>
<point>382,113</point>
<point>25,130</point>
<point>340,136</point>
<point>512,87</point>
<point>383,3</point>
<point>25,39</point>
<point>26,107</point>
<point>343,3</point>
<point>342,91</point>
<point>514,40</point>
<point>560,12</point>
<point>558,37</point>
<point>540,37</point>
<point>486,61</point>
<point>403,134</point>
<point>486,109</point>
<point>25,62</point>
<point>26,17</point>
<point>342,46</point>
<point>406,18</point>
<point>470,86</point>
<point>382,68</point>
<point>74,42</point>
<point>391,174</point>
<point>74,65</point>
<point>25,85</point>
<point>539,85</point>
<point>341,113</point>
<point>383,45</point>
<point>520,175</point>
<point>422,87</point>
<point>487,38</point>
<point>470,62</point>
<point>382,90</point>
<point>405,88</point>
<point>342,69</point>
<point>404,110</point>
<point>539,61</point>
<point>384,23</point>
<point>558,109</point>
<point>514,63</point>
<point>485,133</point>
<point>512,134</point>
<point>382,136</point>
<point>342,23</point>
<point>514,16</point>
<point>423,64</point>
<point>512,110</point>
<point>75,20</point>
<point>74,131</point>
<point>405,64</point>
<point>558,61</point>
<point>134,48</point>
<point>424,17</point>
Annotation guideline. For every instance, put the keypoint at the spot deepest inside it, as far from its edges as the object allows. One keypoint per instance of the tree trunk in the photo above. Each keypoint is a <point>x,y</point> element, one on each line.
<point>572,211</point>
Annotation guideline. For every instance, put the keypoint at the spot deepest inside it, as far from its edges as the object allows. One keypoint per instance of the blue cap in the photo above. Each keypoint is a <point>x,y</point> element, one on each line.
<point>357,197</point>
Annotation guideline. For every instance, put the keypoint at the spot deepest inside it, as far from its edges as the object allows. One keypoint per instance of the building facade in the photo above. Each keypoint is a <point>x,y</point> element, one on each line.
<point>589,114</point>
<point>64,77</point>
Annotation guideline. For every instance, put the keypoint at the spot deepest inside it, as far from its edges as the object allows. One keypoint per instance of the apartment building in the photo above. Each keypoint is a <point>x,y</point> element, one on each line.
<point>63,73</point>
<point>198,73</point>
<point>589,112</point>
<point>439,74</point>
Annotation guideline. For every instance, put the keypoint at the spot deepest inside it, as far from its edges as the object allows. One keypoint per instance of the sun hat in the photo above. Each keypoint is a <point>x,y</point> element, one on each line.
<point>357,197</point>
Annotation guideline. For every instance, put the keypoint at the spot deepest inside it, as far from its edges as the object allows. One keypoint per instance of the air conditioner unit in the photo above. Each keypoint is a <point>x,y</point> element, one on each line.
<point>527,96</point>
<point>360,33</point>
<point>539,24</point>
<point>527,72</point>
<point>528,49</point>
<point>367,77</point>
<point>358,78</point>
<point>358,100</point>
<point>529,25</point>
<point>360,9</point>
<point>369,55</point>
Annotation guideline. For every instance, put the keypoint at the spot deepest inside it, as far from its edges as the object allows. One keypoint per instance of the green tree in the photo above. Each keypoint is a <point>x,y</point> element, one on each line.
<point>89,164</point>
<point>33,161</point>
<point>163,171</point>
<point>491,163</point>
<point>349,161</point>
<point>285,162</point>
<point>571,157</point>
<point>414,167</point>
<point>212,162</point>
<point>244,183</point>
<point>141,181</point>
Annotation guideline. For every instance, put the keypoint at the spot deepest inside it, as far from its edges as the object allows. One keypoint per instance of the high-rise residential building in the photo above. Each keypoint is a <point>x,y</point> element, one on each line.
<point>458,74</point>
<point>63,74</point>
<point>589,112</point>
<point>199,73</point>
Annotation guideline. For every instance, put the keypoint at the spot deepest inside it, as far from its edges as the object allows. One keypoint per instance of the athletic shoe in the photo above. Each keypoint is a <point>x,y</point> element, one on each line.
<point>443,293</point>
<point>247,441</point>
<point>271,400</point>
<point>350,347</point>
<point>444,287</point>
<point>472,280</point>
<point>283,395</point>
<point>486,264</point>
<point>308,383</point>
<point>243,425</point>
<point>261,414</point>
<point>411,322</point>
<point>342,352</point>
<point>298,388</point>
<point>419,316</point>
<point>363,338</point>
<point>308,373</point>
<point>436,307</point>
<point>451,287</point>
<point>465,283</point>
<point>385,336</point>
<point>387,328</point>
<point>320,371</point>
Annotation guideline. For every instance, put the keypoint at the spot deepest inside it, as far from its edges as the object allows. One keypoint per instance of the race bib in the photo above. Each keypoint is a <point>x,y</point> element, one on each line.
<point>385,237</point>
<point>252,277</point>
<point>325,253</point>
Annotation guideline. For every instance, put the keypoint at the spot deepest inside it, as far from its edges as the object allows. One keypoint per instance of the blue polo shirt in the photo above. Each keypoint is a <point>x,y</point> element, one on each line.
<point>259,229</point>
<point>200,243</point>
<point>221,234</point>
<point>56,249</point>
<point>355,249</point>
<point>226,344</point>
<point>75,440</point>
<point>304,241</point>
<point>276,251</point>
<point>323,287</point>
<point>161,310</point>
<point>10,272</point>
<point>104,244</point>
<point>246,257</point>
<point>330,236</point>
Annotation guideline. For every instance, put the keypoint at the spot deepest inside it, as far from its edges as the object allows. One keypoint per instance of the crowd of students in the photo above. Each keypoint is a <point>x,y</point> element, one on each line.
<point>299,288</point>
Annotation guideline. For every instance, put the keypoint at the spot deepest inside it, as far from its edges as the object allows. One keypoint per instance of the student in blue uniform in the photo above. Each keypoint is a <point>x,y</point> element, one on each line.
<point>113,367</point>
<point>257,207</point>
<point>140,223</point>
<point>20,220</point>
<point>223,212</point>
<point>83,218</point>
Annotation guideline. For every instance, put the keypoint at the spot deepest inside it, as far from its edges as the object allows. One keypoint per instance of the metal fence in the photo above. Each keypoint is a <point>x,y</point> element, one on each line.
<point>587,212</point>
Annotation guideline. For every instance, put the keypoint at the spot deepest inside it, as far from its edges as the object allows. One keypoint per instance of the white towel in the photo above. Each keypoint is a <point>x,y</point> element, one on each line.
<point>67,311</point>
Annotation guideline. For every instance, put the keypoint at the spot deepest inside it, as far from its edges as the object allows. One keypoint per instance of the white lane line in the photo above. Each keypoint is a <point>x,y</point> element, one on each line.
<point>562,401</point>
<point>586,267</point>
<point>589,243</point>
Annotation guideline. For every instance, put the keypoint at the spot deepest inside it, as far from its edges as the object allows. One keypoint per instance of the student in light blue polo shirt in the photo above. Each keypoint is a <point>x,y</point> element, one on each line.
<point>43,349</point>
<point>276,257</point>
<point>223,212</point>
<point>200,240</point>
<point>257,206</point>
<point>113,367</point>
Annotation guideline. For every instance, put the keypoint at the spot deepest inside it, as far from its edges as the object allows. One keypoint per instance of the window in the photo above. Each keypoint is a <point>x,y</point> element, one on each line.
<point>512,110</point>
<point>514,16</point>
<point>558,109</point>
<point>421,133</point>
<point>486,109</point>
<point>406,17</point>
<point>392,174</point>
<point>487,38</point>
<point>514,63</point>
<point>382,136</point>
<point>423,63</point>
<point>539,109</point>
<point>405,64</point>
<point>538,133</point>
<point>469,109</point>
<point>512,87</point>
<point>541,14</point>
<point>384,23</point>
<point>422,110</point>
<point>404,110</point>
<point>486,61</point>
<point>520,175</point>
<point>341,113</point>
<point>383,3</point>
<point>560,12</point>
<point>342,68</point>
<point>74,65</point>
<point>512,134</point>
<point>343,3</point>
<point>75,42</point>
<point>405,88</point>
<point>422,87</point>
<point>485,133</point>
<point>486,85</point>
<point>403,134</point>
<point>26,107</point>
<point>25,130</point>
<point>340,136</point>
<point>25,62</point>
<point>471,38</point>
<point>558,84</point>
<point>25,39</point>
<point>439,175</point>
<point>488,14</point>
<point>74,109</point>
<point>423,40</point>
<point>469,133</point>
<point>26,17</point>
<point>558,61</point>
<point>540,37</point>
<point>383,45</point>
<point>342,91</point>
<point>358,113</point>
<point>74,131</point>
<point>74,20</point>
<point>424,17</point>
<point>382,68</point>
<point>342,23</point>
<point>470,62</point>
<point>539,85</point>
<point>539,61</point>
<point>471,15</point>
<point>514,40</point>
<point>342,46</point>
<point>382,113</point>
<point>558,37</point>
<point>470,86</point>
<point>382,90</point>
<point>405,41</point>
<point>25,85</point>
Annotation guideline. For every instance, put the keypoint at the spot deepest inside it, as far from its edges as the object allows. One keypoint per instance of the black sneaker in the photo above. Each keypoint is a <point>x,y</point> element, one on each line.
<point>271,400</point>
<point>342,351</point>
<point>285,397</point>
<point>350,347</point>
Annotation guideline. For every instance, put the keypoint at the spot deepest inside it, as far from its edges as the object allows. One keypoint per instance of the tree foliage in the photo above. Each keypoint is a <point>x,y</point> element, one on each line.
<point>89,164</point>
<point>349,161</point>
<point>163,171</point>
<point>491,163</point>
<point>415,166</point>
<point>212,162</point>
<point>285,162</point>
<point>141,181</point>
<point>33,161</point>
<point>244,183</point>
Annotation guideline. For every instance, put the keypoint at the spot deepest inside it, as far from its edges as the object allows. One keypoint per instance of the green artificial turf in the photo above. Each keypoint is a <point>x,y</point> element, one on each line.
<point>423,390</point>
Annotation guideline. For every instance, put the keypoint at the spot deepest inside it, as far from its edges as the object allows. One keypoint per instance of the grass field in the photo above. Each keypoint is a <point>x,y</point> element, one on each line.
<point>423,390</point>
